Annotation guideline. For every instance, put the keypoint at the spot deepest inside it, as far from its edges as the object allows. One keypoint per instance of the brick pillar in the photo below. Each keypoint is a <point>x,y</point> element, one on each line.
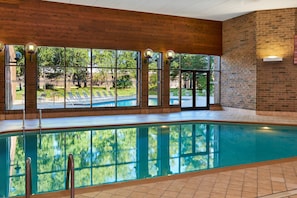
<point>30,82</point>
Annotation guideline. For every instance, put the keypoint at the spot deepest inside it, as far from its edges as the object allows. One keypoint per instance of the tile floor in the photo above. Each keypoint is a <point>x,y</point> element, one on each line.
<point>266,180</point>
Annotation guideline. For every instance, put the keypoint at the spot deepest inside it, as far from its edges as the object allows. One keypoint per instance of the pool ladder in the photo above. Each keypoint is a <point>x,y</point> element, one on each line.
<point>70,173</point>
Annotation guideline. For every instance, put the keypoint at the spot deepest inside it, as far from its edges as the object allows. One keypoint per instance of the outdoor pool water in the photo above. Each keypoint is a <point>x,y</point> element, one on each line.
<point>110,155</point>
<point>130,102</point>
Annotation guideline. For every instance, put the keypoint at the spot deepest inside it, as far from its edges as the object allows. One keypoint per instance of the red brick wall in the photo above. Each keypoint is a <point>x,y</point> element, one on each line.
<point>276,81</point>
<point>247,81</point>
<point>238,77</point>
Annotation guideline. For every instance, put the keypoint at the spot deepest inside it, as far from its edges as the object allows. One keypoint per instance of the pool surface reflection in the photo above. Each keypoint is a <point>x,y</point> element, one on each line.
<point>109,155</point>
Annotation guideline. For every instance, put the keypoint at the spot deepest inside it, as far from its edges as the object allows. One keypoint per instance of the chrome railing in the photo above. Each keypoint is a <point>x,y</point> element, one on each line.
<point>70,172</point>
<point>28,178</point>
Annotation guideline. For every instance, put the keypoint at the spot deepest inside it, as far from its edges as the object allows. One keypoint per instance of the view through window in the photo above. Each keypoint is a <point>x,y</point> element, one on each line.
<point>94,78</point>
<point>79,78</point>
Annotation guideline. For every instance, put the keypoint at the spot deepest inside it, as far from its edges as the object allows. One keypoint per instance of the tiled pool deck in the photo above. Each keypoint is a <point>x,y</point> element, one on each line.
<point>267,180</point>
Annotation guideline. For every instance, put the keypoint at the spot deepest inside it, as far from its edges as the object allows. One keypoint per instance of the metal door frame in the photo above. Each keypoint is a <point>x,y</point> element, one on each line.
<point>195,72</point>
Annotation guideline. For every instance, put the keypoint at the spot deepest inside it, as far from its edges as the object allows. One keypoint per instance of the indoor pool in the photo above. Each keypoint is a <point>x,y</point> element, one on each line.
<point>110,155</point>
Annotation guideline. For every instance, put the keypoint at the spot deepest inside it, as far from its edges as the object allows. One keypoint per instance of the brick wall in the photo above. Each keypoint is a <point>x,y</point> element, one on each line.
<point>276,81</point>
<point>247,81</point>
<point>238,77</point>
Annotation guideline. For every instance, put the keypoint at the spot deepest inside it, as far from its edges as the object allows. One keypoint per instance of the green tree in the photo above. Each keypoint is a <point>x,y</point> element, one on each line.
<point>104,61</point>
<point>77,63</point>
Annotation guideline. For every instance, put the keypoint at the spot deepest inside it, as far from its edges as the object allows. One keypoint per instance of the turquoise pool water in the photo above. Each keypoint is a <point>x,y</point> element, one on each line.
<point>109,155</point>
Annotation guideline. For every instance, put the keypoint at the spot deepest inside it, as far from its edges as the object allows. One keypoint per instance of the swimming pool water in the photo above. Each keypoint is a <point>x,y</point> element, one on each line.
<point>109,155</point>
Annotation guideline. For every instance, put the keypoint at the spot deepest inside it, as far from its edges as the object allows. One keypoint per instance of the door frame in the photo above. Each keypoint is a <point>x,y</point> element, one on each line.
<point>194,106</point>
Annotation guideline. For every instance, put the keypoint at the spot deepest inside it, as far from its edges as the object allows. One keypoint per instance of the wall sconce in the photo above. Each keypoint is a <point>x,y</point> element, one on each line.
<point>170,54</point>
<point>272,59</point>
<point>148,53</point>
<point>31,49</point>
<point>1,46</point>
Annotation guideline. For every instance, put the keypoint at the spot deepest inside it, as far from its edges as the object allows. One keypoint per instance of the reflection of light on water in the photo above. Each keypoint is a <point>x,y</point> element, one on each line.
<point>265,129</point>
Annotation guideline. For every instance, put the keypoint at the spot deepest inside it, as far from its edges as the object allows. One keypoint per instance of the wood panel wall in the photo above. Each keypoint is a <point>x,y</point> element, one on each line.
<point>56,24</point>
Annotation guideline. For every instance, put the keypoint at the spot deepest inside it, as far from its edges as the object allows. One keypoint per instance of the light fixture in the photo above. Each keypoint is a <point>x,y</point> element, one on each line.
<point>1,46</point>
<point>170,54</point>
<point>272,59</point>
<point>148,53</point>
<point>31,49</point>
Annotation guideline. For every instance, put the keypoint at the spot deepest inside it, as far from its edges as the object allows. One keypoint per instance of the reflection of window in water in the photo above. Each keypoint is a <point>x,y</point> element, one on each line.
<point>116,154</point>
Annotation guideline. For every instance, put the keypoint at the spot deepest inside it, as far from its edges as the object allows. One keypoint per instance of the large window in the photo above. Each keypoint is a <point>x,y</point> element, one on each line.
<point>14,77</point>
<point>96,78</point>
<point>154,79</point>
<point>79,78</point>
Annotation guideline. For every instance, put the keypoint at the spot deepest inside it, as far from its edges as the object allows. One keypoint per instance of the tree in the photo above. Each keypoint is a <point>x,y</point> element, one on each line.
<point>77,63</point>
<point>104,62</point>
<point>124,82</point>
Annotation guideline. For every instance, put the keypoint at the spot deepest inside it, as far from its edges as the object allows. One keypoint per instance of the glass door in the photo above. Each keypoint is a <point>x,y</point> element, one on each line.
<point>195,89</point>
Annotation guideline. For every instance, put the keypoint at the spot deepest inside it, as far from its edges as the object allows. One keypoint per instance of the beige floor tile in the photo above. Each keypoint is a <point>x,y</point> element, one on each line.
<point>93,194</point>
<point>202,194</point>
<point>262,192</point>
<point>278,187</point>
<point>103,195</point>
<point>151,196</point>
<point>136,194</point>
<point>168,193</point>
<point>188,191</point>
<point>249,194</point>
<point>233,192</point>
<point>217,195</point>
<point>251,189</point>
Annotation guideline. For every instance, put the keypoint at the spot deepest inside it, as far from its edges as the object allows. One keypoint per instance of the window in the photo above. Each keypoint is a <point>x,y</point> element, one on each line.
<point>87,78</point>
<point>127,80</point>
<point>174,80</point>
<point>78,81</point>
<point>215,79</point>
<point>154,79</point>
<point>14,77</point>
<point>50,77</point>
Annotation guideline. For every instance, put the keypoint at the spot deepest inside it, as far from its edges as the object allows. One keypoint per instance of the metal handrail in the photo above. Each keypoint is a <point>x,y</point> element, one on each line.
<point>28,178</point>
<point>70,170</point>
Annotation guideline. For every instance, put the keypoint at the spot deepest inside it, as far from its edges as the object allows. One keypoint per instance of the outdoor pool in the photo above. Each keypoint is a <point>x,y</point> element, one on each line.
<point>117,154</point>
<point>129,103</point>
